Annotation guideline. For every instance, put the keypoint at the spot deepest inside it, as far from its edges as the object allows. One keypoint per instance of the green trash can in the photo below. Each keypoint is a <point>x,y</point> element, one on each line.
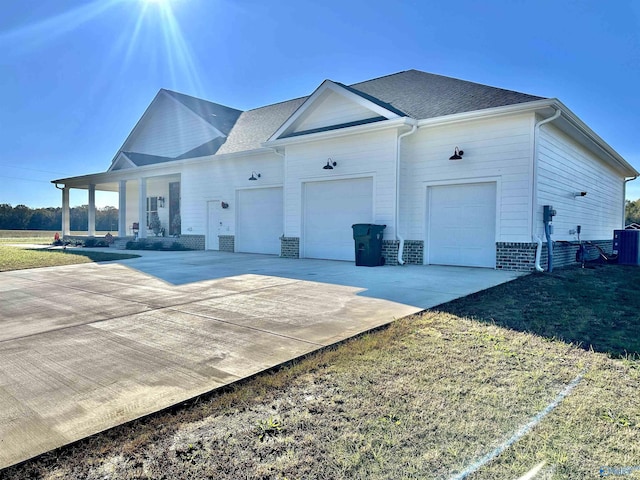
<point>368,244</point>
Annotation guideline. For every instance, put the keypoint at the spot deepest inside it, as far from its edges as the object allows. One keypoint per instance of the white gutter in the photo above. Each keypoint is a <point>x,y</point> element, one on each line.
<point>397,222</point>
<point>534,195</point>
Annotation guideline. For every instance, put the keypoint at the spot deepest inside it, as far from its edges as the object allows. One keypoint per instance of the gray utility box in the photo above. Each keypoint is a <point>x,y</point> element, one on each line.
<point>626,243</point>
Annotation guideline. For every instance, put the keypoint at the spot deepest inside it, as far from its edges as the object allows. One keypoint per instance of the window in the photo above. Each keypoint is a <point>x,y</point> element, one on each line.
<point>152,207</point>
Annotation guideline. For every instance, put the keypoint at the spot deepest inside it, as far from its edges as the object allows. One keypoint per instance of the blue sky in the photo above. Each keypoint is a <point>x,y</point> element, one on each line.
<point>76,75</point>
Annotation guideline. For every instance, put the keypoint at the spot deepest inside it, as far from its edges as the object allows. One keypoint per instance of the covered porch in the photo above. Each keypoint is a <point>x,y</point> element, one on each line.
<point>145,203</point>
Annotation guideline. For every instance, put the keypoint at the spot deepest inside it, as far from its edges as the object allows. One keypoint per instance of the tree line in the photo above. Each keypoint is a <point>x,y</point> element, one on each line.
<point>632,212</point>
<point>22,217</point>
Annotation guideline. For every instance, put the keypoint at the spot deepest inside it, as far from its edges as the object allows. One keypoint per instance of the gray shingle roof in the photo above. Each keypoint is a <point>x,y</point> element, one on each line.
<point>256,126</point>
<point>142,159</point>
<point>221,117</point>
<point>424,95</point>
<point>410,93</point>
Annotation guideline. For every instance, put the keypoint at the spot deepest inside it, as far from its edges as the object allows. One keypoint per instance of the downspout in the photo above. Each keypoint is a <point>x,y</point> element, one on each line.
<point>397,222</point>
<point>534,197</point>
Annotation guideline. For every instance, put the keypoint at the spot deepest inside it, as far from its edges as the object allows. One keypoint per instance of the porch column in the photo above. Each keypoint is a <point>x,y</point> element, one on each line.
<point>122,209</point>
<point>66,219</point>
<point>92,211</point>
<point>142,208</point>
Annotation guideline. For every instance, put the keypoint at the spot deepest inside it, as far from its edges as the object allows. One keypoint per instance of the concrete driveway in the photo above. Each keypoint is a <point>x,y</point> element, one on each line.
<point>87,347</point>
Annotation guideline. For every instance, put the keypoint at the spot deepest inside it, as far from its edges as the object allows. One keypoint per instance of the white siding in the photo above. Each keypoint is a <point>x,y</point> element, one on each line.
<point>333,109</point>
<point>357,156</point>
<point>565,167</point>
<point>169,129</point>
<point>219,179</point>
<point>499,150</point>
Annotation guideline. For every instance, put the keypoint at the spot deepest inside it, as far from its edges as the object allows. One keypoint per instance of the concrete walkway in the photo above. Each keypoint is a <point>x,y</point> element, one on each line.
<point>87,347</point>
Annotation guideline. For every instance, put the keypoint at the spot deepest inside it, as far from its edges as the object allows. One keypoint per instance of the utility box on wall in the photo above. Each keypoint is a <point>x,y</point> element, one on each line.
<point>626,243</point>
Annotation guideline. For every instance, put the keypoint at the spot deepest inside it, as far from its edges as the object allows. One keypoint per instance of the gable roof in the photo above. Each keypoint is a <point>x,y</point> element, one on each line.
<point>424,95</point>
<point>374,108</point>
<point>410,93</point>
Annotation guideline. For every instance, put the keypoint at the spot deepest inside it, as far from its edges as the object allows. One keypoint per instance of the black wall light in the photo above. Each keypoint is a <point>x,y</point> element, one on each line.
<point>254,176</point>
<point>330,164</point>
<point>224,204</point>
<point>457,154</point>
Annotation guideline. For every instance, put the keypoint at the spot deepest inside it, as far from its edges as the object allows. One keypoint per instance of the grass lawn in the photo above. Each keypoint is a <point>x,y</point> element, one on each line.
<point>16,258</point>
<point>424,398</point>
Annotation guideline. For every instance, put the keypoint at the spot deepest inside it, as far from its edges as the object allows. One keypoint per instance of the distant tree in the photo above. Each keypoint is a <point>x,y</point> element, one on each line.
<point>632,212</point>
<point>20,217</point>
<point>107,219</point>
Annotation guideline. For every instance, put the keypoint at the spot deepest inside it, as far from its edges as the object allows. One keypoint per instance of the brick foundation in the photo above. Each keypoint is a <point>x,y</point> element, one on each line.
<point>226,243</point>
<point>290,247</point>
<point>412,254</point>
<point>521,256</point>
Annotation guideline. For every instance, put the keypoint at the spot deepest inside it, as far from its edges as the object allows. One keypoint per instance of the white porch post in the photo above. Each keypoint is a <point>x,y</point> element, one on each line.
<point>66,220</point>
<point>122,209</point>
<point>142,208</point>
<point>92,211</point>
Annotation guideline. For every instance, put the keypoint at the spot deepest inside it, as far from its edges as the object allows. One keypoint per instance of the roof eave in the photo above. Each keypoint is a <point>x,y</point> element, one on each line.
<point>539,106</point>
<point>364,128</point>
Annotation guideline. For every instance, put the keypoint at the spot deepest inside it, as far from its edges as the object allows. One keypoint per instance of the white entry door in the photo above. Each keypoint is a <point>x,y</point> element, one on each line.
<point>461,225</point>
<point>330,208</point>
<point>213,225</point>
<point>259,221</point>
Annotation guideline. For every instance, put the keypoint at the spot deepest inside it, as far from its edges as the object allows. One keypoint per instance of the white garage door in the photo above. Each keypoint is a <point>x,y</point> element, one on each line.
<point>259,226</point>
<point>461,222</point>
<point>330,208</point>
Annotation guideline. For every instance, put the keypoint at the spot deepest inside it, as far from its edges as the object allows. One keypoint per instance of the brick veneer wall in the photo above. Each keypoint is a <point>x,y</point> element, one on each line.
<point>412,254</point>
<point>521,256</point>
<point>226,243</point>
<point>290,247</point>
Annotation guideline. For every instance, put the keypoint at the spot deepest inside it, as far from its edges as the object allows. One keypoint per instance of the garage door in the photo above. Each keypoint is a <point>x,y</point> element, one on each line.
<point>461,223</point>
<point>330,208</point>
<point>259,226</point>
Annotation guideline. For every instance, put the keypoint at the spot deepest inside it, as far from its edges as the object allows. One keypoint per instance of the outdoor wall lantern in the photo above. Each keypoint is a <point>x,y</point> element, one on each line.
<point>330,164</point>
<point>254,176</point>
<point>224,204</point>
<point>457,154</point>
<point>161,202</point>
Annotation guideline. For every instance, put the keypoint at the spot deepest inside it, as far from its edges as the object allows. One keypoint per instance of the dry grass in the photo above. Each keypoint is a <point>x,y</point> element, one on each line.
<point>423,398</point>
<point>16,258</point>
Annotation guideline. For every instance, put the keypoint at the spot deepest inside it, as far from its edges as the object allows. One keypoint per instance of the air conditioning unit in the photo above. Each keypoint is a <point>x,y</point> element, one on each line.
<point>626,243</point>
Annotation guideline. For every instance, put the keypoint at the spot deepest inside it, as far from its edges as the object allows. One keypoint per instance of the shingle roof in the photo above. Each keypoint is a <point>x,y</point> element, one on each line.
<point>410,93</point>
<point>142,159</point>
<point>221,117</point>
<point>424,95</point>
<point>256,126</point>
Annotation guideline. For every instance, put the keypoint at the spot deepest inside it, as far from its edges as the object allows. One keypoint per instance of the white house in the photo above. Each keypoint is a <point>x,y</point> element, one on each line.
<point>457,171</point>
